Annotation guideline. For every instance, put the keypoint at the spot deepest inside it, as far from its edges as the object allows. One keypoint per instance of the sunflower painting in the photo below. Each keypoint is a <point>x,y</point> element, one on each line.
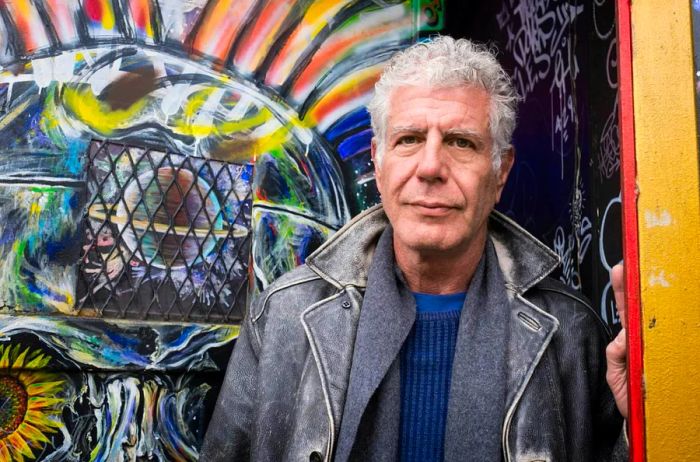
<point>30,403</point>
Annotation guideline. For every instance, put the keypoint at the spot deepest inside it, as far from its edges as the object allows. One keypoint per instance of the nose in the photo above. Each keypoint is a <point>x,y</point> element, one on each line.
<point>431,162</point>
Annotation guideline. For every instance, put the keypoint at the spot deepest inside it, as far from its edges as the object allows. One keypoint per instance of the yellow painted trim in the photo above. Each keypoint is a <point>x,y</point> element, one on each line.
<point>669,225</point>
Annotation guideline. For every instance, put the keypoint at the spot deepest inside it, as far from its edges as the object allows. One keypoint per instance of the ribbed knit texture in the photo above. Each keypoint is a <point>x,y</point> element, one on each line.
<point>426,369</point>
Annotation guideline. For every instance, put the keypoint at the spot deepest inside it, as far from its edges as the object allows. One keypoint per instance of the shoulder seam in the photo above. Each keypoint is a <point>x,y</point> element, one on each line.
<point>588,306</point>
<point>274,290</point>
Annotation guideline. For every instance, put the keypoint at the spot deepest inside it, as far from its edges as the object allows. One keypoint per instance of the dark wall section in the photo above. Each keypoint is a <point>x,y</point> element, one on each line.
<point>564,187</point>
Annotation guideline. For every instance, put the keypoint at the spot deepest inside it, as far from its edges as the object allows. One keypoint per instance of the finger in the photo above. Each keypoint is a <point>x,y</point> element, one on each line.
<point>616,374</point>
<point>616,352</point>
<point>617,279</point>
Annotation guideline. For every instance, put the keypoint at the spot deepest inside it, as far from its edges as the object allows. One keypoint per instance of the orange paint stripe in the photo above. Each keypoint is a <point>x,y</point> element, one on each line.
<point>26,18</point>
<point>257,42</point>
<point>340,96</point>
<point>141,14</point>
<point>314,20</point>
<point>220,27</point>
<point>332,53</point>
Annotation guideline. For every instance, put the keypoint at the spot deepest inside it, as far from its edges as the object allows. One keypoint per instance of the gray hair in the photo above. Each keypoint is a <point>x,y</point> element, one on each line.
<point>446,62</point>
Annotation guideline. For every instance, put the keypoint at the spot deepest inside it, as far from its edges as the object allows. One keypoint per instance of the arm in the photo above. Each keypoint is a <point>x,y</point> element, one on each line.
<point>230,430</point>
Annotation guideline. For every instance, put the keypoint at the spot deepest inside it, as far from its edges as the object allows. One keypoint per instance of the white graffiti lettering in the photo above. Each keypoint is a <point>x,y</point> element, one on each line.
<point>539,38</point>
<point>572,249</point>
<point>609,148</point>
<point>658,278</point>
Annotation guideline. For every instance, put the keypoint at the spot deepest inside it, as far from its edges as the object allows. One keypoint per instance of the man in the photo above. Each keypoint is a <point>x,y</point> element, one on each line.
<point>427,328</point>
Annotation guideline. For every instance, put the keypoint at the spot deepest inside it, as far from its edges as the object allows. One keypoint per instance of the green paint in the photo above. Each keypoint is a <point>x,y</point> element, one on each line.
<point>45,189</point>
<point>49,121</point>
<point>19,247</point>
<point>429,15</point>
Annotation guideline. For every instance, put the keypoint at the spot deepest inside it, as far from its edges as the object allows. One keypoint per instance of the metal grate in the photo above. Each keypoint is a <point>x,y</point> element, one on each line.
<point>166,236</point>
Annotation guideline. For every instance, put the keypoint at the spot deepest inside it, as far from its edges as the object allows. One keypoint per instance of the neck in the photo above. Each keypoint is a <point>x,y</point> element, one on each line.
<point>440,272</point>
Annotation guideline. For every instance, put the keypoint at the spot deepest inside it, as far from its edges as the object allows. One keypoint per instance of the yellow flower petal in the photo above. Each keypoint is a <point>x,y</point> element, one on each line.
<point>43,388</point>
<point>38,362</point>
<point>41,421</point>
<point>20,446</point>
<point>37,402</point>
<point>5,360</point>
<point>19,360</point>
<point>32,434</point>
<point>4,452</point>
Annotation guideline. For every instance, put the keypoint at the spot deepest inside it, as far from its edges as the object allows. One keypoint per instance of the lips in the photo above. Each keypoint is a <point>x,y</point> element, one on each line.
<point>432,208</point>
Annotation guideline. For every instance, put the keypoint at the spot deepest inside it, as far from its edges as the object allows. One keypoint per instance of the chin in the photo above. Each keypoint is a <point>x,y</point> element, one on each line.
<point>430,242</point>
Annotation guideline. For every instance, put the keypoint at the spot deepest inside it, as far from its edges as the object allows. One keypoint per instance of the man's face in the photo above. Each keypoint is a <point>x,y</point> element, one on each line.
<point>436,178</point>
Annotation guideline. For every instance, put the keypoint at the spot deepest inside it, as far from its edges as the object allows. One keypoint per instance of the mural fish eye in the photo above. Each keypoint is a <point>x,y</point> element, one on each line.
<point>147,148</point>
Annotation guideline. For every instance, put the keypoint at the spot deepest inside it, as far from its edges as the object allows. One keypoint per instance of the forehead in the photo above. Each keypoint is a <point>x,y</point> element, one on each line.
<point>464,106</point>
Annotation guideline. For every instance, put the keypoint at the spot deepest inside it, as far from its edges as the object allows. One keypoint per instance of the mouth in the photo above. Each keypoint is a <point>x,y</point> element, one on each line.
<point>431,208</point>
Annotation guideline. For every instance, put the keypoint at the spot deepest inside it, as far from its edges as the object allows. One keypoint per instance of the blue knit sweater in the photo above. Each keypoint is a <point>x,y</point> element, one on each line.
<point>426,369</point>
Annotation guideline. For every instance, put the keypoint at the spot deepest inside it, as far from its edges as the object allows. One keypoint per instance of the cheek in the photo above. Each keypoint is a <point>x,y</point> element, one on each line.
<point>480,191</point>
<point>390,179</point>
<point>378,179</point>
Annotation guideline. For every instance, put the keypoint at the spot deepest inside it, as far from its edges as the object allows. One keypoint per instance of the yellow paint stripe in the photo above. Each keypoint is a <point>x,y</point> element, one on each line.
<point>97,213</point>
<point>669,225</point>
<point>15,112</point>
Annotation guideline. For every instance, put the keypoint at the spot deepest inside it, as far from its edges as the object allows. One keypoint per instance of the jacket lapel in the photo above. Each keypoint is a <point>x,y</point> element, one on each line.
<point>386,318</point>
<point>330,326</point>
<point>520,331</point>
<point>501,340</point>
<point>531,331</point>
<point>478,385</point>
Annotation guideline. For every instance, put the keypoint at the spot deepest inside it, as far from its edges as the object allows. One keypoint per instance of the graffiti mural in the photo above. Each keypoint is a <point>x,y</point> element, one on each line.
<point>159,160</point>
<point>105,391</point>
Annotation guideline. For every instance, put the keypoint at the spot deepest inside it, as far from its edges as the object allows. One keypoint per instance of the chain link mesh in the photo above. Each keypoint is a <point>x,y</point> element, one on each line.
<point>166,236</point>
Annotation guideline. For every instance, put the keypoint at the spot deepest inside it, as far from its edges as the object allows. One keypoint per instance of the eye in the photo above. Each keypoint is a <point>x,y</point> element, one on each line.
<point>462,143</point>
<point>407,140</point>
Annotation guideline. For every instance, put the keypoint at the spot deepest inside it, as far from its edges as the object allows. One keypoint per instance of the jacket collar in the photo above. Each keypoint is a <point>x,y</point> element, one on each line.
<point>387,315</point>
<point>345,258</point>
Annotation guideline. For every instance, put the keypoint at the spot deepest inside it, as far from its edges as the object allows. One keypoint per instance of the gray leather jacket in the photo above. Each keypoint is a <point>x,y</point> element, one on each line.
<point>284,395</point>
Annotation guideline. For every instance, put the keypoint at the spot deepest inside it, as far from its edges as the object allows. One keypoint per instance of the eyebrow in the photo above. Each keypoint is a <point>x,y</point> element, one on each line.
<point>406,128</point>
<point>466,133</point>
<point>451,132</point>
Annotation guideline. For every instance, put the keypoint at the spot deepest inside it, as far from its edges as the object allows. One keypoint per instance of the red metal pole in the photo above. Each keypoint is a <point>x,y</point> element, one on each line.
<point>630,244</point>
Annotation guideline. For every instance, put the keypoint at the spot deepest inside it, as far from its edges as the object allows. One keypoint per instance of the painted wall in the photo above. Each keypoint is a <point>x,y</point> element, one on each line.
<point>153,155</point>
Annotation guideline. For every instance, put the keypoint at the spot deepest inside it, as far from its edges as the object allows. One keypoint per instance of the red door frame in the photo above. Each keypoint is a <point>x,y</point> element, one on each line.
<point>630,244</point>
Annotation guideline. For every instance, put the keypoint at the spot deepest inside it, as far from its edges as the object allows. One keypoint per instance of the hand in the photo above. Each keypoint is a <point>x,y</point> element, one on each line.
<point>616,352</point>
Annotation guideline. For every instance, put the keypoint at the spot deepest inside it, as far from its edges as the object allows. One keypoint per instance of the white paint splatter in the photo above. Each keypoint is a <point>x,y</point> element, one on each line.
<point>654,220</point>
<point>658,279</point>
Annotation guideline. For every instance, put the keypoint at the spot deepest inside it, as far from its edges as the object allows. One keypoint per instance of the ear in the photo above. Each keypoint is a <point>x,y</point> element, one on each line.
<point>507,161</point>
<point>375,161</point>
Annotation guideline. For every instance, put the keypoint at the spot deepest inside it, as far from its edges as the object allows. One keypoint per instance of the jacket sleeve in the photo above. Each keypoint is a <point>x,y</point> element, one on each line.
<point>609,430</point>
<point>595,427</point>
<point>230,430</point>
